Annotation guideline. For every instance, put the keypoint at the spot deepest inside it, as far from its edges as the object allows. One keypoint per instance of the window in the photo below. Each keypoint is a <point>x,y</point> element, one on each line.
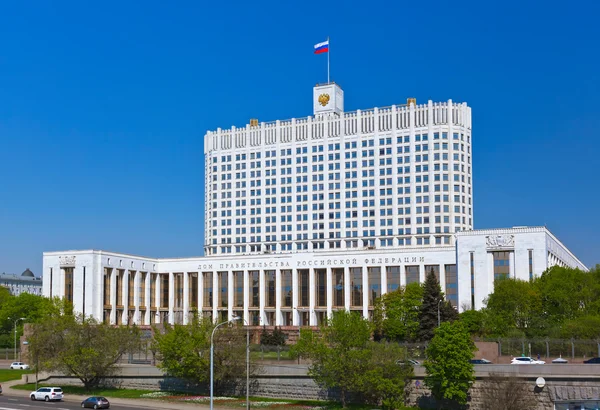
<point>412,274</point>
<point>451,284</point>
<point>501,265</point>
<point>357,288</point>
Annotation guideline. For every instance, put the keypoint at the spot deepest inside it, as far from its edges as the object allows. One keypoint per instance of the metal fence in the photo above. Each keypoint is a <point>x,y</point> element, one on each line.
<point>9,354</point>
<point>569,348</point>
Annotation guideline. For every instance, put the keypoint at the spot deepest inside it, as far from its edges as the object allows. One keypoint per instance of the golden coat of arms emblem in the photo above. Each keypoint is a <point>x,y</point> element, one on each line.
<point>324,99</point>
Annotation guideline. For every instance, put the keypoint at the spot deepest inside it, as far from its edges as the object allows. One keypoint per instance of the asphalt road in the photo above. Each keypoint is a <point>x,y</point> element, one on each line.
<point>24,403</point>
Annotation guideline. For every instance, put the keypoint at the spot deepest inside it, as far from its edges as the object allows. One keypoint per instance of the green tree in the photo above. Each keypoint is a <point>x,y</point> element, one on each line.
<point>583,327</point>
<point>338,353</point>
<point>449,370</point>
<point>566,294</point>
<point>276,337</point>
<point>184,351</point>
<point>433,299</point>
<point>81,347</point>
<point>384,381</point>
<point>473,321</point>
<point>396,314</point>
<point>514,304</point>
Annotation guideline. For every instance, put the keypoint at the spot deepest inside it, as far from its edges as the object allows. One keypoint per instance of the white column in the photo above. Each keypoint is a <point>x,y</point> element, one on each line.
<point>125,297</point>
<point>329,292</point>
<point>489,272</point>
<point>311,297</point>
<point>295,297</point>
<point>246,296</point>
<point>422,274</point>
<point>200,293</point>
<point>147,298</point>
<point>113,295</point>
<point>186,297</point>
<point>511,265</point>
<point>157,298</point>
<point>171,298</point>
<point>402,275</point>
<point>230,293</point>
<point>215,299</point>
<point>261,298</point>
<point>383,272</point>
<point>347,288</point>
<point>365,285</point>
<point>278,297</point>
<point>443,277</point>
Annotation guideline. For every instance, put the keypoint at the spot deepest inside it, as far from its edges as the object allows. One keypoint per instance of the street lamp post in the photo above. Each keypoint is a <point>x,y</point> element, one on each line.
<point>15,326</point>
<point>212,349</point>
<point>247,364</point>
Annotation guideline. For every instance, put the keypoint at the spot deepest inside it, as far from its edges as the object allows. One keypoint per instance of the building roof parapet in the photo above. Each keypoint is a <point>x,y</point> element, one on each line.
<point>372,120</point>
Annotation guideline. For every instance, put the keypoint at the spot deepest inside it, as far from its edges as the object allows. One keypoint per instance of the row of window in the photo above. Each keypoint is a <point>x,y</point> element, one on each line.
<point>369,142</point>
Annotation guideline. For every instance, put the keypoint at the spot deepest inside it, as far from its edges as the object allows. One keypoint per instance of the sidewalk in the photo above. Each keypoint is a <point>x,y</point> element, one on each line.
<point>7,390</point>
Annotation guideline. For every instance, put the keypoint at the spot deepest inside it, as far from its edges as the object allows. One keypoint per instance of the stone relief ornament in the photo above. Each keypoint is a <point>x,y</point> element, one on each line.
<point>67,260</point>
<point>324,99</point>
<point>500,241</point>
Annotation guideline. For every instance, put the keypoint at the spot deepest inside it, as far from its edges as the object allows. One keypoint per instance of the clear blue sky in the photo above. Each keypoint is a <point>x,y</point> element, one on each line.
<point>103,107</point>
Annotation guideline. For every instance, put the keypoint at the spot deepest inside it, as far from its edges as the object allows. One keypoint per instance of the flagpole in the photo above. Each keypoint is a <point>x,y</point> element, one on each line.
<point>328,52</point>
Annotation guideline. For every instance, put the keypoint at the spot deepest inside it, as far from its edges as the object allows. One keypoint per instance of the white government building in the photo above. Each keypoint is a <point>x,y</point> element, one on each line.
<point>310,215</point>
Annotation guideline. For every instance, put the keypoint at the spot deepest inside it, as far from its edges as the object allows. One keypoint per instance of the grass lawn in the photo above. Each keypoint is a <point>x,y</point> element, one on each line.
<point>8,374</point>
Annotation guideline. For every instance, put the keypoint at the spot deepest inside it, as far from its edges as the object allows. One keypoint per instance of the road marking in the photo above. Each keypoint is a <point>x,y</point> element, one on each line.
<point>7,408</point>
<point>13,399</point>
<point>25,405</point>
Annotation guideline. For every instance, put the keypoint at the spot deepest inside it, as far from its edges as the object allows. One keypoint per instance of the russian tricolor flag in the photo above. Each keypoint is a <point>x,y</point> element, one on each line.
<point>322,47</point>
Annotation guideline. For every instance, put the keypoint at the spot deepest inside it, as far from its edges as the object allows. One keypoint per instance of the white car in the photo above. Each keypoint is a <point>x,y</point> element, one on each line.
<point>526,360</point>
<point>19,366</point>
<point>47,394</point>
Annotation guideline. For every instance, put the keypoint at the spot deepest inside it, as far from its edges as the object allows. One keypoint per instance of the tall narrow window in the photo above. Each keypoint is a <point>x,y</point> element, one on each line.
<point>451,284</point>
<point>207,282</point>
<point>178,278</point>
<point>254,288</point>
<point>270,288</point>
<point>193,295</point>
<point>142,290</point>
<point>393,278</point>
<point>164,288</point>
<point>374,284</point>
<point>69,284</point>
<point>238,285</point>
<point>119,288</point>
<point>412,274</point>
<point>433,268</point>
<point>223,298</point>
<point>303,288</point>
<point>530,264</point>
<point>153,277</point>
<point>321,287</point>
<point>106,286</point>
<point>51,283</point>
<point>131,289</point>
<point>472,281</point>
<point>286,288</point>
<point>338,290</point>
<point>501,265</point>
<point>357,288</point>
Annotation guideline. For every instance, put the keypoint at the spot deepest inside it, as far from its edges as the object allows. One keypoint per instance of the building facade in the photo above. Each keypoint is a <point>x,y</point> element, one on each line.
<point>392,177</point>
<point>307,216</point>
<point>27,282</point>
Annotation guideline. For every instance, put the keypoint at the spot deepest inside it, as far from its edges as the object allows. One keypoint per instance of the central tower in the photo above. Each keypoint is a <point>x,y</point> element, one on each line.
<point>328,98</point>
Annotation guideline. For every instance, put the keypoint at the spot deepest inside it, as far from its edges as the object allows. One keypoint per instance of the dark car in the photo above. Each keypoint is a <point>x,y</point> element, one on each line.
<point>96,402</point>
<point>480,361</point>
<point>593,360</point>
